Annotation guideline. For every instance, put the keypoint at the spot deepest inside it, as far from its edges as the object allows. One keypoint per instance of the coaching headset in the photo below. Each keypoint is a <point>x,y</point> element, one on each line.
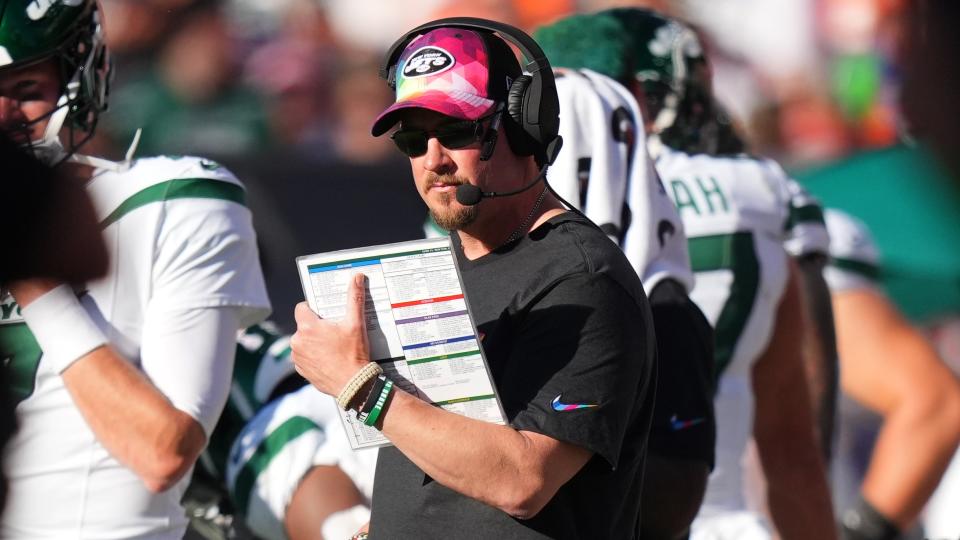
<point>532,102</point>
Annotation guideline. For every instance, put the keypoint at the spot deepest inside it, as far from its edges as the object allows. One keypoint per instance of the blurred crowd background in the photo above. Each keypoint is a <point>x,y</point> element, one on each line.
<point>284,92</point>
<point>809,81</point>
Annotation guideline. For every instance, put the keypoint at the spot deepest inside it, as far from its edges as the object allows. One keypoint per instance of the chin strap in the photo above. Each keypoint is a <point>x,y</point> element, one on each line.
<point>49,149</point>
<point>115,166</point>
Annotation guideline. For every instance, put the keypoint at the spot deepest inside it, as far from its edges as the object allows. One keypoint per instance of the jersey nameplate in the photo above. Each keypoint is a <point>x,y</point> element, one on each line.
<point>700,195</point>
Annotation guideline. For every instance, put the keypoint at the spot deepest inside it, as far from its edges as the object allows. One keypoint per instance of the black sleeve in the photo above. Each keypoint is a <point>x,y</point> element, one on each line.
<point>581,367</point>
<point>683,419</point>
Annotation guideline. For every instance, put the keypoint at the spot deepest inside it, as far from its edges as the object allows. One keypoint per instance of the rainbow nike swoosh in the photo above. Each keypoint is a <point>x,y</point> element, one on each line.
<point>676,424</point>
<point>560,406</point>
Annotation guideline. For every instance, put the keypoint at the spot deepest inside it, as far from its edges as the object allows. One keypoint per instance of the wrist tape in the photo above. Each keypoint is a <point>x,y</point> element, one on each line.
<point>345,523</point>
<point>62,328</point>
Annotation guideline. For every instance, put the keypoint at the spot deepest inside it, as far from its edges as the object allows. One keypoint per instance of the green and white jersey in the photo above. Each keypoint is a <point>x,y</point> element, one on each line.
<point>740,215</point>
<point>180,240</point>
<point>854,257</point>
<point>261,365</point>
<point>279,446</point>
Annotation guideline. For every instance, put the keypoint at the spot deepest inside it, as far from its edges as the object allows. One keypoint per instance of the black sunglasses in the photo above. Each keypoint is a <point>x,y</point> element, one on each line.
<point>413,142</point>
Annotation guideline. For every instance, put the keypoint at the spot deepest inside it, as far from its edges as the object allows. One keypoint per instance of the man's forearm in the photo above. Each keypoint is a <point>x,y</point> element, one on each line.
<point>132,418</point>
<point>797,491</point>
<point>799,501</point>
<point>515,471</point>
<point>820,358</point>
<point>885,362</point>
<point>908,460</point>
<point>914,447</point>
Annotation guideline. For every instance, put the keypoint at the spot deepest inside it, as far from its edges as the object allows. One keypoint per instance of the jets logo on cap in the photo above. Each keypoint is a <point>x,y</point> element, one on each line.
<point>427,61</point>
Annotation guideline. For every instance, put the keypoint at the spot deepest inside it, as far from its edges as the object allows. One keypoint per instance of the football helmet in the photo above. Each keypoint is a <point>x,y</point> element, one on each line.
<point>70,31</point>
<point>670,64</point>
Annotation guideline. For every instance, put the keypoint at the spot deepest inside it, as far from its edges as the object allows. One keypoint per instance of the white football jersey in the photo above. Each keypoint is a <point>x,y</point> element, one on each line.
<point>179,238</point>
<point>741,215</point>
<point>604,169</point>
<point>854,257</point>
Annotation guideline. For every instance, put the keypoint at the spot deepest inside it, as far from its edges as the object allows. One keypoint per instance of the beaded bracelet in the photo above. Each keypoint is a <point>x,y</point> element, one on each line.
<point>372,396</point>
<point>356,382</point>
<point>371,419</point>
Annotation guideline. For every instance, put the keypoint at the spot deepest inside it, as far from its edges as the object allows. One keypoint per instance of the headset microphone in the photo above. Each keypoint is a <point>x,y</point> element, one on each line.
<point>469,194</point>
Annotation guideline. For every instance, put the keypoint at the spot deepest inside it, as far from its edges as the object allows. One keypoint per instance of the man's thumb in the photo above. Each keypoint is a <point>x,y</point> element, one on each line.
<point>356,296</point>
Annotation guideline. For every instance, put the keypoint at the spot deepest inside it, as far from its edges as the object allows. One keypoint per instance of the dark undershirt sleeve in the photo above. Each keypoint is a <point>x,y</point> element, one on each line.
<point>581,365</point>
<point>683,420</point>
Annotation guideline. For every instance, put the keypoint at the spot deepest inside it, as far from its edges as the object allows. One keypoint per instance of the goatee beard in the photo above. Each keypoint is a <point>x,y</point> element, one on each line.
<point>452,215</point>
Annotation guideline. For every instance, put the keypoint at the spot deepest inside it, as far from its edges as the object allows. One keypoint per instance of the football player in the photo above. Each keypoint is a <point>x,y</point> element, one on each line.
<point>738,217</point>
<point>892,370</point>
<point>118,381</point>
<point>754,237</point>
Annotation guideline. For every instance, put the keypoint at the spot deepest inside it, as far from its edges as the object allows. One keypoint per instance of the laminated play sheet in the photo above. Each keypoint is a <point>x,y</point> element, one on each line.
<point>419,325</point>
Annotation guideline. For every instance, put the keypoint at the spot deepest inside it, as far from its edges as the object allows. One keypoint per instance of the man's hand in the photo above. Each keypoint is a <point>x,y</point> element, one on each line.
<point>329,353</point>
<point>25,291</point>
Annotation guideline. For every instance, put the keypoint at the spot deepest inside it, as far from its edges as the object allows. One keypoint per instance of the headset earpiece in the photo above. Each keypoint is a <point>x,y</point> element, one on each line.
<point>516,97</point>
<point>521,141</point>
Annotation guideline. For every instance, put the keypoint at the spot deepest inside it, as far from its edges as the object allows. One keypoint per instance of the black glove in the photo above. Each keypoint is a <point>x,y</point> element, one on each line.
<point>864,522</point>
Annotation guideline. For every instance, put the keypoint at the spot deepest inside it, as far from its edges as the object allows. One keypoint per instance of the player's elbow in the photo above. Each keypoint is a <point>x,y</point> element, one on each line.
<point>938,405</point>
<point>165,473</point>
<point>948,410</point>
<point>171,459</point>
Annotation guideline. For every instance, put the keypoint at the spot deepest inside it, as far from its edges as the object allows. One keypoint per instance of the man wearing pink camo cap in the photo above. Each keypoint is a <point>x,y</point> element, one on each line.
<point>564,322</point>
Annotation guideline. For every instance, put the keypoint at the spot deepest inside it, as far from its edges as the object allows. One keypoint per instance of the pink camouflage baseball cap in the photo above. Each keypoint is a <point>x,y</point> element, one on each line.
<point>460,73</point>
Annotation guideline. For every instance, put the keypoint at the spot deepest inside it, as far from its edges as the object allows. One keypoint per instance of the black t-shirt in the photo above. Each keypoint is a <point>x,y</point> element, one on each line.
<point>567,331</point>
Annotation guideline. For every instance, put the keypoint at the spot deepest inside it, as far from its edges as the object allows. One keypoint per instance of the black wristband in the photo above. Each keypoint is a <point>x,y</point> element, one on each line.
<point>864,522</point>
<point>371,398</point>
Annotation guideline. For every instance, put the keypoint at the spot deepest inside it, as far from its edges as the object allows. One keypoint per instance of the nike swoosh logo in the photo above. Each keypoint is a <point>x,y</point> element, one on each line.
<point>560,406</point>
<point>677,425</point>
